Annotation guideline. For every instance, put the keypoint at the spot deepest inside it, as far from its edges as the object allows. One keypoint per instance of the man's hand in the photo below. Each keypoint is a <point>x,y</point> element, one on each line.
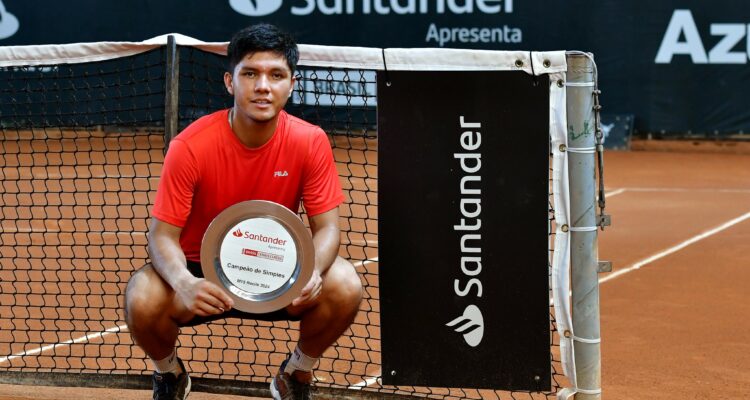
<point>325,232</point>
<point>202,297</point>
<point>197,295</point>
<point>311,291</point>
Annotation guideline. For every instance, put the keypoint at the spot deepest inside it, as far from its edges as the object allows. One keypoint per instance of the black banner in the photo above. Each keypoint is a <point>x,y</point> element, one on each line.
<point>677,66</point>
<point>462,204</point>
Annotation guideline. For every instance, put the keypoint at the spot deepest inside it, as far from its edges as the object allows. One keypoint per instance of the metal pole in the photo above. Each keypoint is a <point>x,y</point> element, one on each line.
<point>171,101</point>
<point>583,221</point>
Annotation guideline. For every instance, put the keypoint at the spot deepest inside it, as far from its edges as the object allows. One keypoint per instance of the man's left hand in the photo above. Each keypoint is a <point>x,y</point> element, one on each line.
<point>311,291</point>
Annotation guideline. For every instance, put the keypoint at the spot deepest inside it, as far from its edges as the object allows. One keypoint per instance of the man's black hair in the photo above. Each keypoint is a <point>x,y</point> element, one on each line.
<point>262,37</point>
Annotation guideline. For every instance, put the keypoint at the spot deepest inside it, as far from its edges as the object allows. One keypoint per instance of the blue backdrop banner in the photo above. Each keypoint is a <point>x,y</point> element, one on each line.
<point>677,66</point>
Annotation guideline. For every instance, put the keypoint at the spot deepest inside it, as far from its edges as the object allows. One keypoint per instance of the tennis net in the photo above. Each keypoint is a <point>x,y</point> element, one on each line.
<point>81,149</point>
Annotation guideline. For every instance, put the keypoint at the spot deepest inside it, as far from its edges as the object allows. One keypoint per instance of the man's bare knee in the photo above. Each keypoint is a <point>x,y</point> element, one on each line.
<point>146,297</point>
<point>343,284</point>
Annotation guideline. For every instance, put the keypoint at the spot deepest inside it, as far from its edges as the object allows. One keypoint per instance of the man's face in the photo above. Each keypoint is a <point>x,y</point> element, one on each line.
<point>261,84</point>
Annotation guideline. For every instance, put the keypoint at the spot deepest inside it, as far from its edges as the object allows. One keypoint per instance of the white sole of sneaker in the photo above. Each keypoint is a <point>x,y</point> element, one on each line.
<point>275,395</point>
<point>187,388</point>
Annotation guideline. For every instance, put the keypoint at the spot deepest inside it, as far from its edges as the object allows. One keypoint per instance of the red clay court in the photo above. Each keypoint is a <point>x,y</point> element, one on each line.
<point>676,328</point>
<point>673,311</point>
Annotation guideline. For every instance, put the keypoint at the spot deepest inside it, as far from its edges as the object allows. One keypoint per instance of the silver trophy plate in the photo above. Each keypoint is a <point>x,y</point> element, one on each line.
<point>261,253</point>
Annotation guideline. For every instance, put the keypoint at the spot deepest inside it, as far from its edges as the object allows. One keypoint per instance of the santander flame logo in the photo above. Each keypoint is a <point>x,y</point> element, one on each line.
<point>8,23</point>
<point>471,325</point>
<point>255,8</point>
<point>237,233</point>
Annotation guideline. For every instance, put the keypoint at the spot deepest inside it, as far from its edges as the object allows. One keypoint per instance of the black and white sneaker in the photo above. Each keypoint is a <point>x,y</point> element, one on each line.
<point>167,386</point>
<point>288,387</point>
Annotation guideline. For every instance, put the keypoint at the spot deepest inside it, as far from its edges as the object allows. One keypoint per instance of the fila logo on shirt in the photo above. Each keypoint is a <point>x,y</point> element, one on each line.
<point>280,174</point>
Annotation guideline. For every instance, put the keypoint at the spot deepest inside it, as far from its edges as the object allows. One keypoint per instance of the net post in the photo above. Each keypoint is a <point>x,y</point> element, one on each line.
<point>583,238</point>
<point>171,100</point>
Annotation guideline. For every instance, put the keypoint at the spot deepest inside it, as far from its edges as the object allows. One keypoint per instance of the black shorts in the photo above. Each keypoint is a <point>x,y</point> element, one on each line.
<point>279,315</point>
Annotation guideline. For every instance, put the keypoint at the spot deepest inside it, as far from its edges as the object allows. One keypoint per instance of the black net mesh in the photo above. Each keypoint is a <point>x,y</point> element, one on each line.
<point>81,151</point>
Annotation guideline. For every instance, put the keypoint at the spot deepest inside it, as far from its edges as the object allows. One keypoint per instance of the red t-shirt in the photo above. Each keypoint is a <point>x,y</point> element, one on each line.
<point>208,169</point>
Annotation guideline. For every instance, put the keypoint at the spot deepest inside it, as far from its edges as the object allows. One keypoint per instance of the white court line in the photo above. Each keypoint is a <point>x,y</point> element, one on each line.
<point>86,338</point>
<point>677,190</point>
<point>367,382</point>
<point>366,262</point>
<point>614,192</point>
<point>675,248</point>
<point>668,251</point>
<point>97,335</point>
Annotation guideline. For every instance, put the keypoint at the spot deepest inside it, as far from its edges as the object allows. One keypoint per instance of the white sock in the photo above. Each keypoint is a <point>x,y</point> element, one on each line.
<point>168,364</point>
<point>299,361</point>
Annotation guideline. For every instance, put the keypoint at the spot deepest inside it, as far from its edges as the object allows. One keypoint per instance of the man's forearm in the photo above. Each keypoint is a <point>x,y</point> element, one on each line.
<point>326,241</point>
<point>168,259</point>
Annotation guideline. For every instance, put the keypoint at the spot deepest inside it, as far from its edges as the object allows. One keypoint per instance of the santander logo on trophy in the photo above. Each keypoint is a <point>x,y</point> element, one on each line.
<point>260,252</point>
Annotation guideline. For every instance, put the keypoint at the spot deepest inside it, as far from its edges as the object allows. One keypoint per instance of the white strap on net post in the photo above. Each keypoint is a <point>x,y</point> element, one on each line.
<point>569,393</point>
<point>582,150</point>
<point>589,341</point>
<point>579,84</point>
<point>566,228</point>
<point>583,228</point>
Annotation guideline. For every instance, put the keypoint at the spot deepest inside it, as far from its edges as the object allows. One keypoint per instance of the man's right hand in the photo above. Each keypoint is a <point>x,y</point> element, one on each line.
<point>202,297</point>
<point>197,295</point>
